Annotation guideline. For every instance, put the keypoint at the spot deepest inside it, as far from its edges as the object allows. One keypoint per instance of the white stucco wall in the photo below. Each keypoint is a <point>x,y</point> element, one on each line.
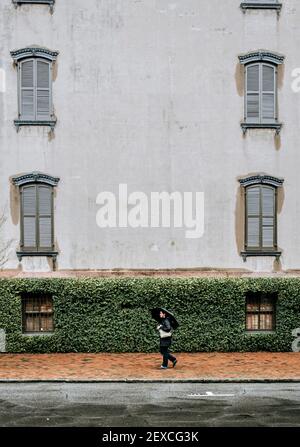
<point>146,94</point>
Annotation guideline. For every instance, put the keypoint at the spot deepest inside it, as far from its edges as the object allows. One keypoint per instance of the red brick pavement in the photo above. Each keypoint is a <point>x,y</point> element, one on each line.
<point>114,367</point>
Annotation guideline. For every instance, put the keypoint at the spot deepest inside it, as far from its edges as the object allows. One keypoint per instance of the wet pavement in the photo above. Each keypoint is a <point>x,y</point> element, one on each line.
<point>149,404</point>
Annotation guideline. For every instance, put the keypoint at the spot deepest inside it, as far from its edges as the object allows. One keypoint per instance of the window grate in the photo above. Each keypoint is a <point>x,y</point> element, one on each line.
<point>37,314</point>
<point>260,312</point>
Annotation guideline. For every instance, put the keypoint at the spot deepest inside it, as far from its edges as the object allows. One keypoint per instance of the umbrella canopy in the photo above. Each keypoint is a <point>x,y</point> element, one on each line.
<point>155,314</point>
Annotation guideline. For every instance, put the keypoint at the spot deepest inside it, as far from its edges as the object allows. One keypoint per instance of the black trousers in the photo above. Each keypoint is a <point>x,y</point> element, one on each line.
<point>164,350</point>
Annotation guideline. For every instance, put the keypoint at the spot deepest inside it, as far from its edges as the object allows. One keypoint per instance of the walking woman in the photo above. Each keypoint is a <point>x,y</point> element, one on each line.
<point>165,332</point>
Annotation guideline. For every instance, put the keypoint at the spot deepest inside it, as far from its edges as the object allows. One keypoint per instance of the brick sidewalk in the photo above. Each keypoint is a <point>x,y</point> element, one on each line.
<point>146,367</point>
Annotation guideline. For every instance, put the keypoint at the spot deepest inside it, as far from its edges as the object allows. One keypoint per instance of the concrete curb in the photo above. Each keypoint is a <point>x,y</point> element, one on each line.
<point>199,380</point>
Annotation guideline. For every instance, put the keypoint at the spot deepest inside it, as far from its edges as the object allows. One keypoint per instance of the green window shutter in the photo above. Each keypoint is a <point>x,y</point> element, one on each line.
<point>252,93</point>
<point>268,93</point>
<point>29,211</point>
<point>45,217</point>
<point>42,90</point>
<point>253,217</point>
<point>268,217</point>
<point>27,109</point>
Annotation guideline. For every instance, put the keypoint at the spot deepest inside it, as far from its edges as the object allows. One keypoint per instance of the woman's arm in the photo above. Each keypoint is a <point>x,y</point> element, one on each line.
<point>166,326</point>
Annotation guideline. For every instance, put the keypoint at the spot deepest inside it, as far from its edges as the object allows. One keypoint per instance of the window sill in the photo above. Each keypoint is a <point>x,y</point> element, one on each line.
<point>276,126</point>
<point>37,334</point>
<point>22,254</point>
<point>253,333</point>
<point>19,123</point>
<point>247,254</point>
<point>264,5</point>
<point>41,2</point>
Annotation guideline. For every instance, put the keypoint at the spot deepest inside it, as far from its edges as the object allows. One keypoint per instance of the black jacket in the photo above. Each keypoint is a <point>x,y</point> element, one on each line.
<point>166,326</point>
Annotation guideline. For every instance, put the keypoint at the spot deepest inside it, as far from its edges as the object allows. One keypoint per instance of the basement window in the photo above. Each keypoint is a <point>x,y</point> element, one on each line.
<point>260,312</point>
<point>37,313</point>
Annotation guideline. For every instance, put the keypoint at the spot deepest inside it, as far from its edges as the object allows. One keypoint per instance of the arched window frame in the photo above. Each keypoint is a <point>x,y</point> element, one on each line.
<point>37,56</point>
<point>261,59</point>
<point>37,181</point>
<point>263,182</point>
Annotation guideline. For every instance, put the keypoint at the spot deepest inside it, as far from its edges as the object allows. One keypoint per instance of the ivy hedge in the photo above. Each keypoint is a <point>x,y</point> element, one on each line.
<point>113,315</point>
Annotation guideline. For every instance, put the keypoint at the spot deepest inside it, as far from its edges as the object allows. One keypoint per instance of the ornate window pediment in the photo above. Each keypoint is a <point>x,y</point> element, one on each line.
<point>261,56</point>
<point>35,2</point>
<point>261,4</point>
<point>261,179</point>
<point>35,177</point>
<point>29,52</point>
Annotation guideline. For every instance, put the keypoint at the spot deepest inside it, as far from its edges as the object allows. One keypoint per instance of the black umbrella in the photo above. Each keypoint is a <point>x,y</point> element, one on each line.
<point>155,314</point>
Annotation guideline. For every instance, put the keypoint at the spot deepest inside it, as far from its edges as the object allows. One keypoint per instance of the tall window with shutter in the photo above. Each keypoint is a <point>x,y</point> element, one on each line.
<point>37,217</point>
<point>261,105</point>
<point>261,194</point>
<point>35,90</point>
<point>261,218</point>
<point>35,86</point>
<point>37,213</point>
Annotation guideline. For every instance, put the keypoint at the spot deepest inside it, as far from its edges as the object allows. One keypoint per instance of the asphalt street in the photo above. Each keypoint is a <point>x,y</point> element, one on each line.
<point>149,405</point>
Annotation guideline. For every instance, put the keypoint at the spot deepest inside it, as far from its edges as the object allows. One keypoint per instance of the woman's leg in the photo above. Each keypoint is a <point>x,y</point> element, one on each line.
<point>165,354</point>
<point>171,357</point>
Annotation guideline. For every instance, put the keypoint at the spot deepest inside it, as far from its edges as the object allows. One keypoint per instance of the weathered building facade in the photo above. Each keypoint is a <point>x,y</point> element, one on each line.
<point>161,96</point>
<point>149,137</point>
